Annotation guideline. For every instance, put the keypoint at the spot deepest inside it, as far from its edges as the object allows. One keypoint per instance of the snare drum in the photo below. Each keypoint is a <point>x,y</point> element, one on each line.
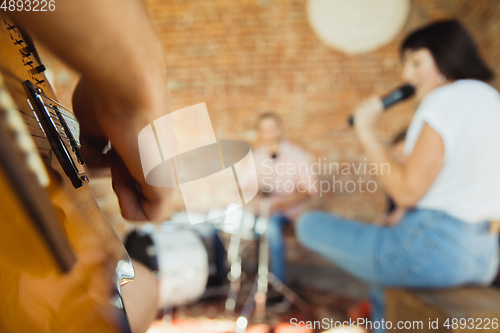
<point>181,261</point>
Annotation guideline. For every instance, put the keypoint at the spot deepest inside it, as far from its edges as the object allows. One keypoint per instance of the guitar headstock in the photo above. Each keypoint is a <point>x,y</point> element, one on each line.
<point>27,52</point>
<point>59,127</point>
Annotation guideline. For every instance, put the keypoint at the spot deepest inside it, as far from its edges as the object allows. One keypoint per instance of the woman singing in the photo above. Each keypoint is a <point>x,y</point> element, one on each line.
<point>450,182</point>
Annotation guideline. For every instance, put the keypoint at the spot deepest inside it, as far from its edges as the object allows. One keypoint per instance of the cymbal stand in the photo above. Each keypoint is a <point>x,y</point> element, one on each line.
<point>264,278</point>
<point>234,275</point>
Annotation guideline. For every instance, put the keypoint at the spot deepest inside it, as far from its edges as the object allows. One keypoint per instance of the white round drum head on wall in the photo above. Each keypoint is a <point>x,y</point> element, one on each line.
<point>357,26</point>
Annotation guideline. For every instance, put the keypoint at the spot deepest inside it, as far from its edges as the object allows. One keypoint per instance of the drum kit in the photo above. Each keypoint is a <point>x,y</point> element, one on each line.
<point>178,254</point>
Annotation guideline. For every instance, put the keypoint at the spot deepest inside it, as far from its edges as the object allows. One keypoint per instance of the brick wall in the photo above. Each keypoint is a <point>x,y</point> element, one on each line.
<point>249,56</point>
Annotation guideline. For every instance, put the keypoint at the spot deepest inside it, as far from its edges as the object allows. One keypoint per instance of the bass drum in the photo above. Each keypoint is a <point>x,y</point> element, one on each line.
<point>179,258</point>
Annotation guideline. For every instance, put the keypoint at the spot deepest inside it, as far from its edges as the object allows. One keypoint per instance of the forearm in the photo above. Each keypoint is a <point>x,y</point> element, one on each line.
<point>407,183</point>
<point>110,41</point>
<point>395,181</point>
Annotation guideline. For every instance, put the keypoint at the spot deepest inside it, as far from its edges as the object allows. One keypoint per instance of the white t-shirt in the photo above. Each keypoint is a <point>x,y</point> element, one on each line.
<point>466,114</point>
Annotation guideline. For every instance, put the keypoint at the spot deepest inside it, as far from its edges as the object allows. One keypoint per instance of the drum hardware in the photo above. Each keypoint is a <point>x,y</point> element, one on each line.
<point>239,225</point>
<point>263,270</point>
<point>258,295</point>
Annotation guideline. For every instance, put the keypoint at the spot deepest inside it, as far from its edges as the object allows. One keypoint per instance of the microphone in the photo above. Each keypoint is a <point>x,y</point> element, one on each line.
<point>396,96</point>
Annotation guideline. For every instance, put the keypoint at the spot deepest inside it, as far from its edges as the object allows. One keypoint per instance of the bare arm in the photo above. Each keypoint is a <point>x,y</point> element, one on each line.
<point>407,182</point>
<point>123,88</point>
<point>111,42</point>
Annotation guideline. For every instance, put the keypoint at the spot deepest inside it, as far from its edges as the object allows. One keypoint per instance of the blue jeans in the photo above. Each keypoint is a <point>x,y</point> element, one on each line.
<point>277,245</point>
<point>428,248</point>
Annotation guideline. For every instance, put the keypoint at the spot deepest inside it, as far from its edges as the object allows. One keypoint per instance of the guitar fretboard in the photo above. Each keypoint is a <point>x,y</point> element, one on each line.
<point>22,136</point>
<point>61,129</point>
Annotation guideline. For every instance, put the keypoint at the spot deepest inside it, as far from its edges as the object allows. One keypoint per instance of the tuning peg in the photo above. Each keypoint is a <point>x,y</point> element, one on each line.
<point>37,70</point>
<point>26,51</point>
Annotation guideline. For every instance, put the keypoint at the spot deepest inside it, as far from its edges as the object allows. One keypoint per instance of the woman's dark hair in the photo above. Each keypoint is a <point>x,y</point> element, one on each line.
<point>453,50</point>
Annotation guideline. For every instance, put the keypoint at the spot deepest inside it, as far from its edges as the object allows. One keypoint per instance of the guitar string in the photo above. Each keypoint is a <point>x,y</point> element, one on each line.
<point>73,126</point>
<point>29,115</point>
<point>72,122</point>
<point>55,120</point>
<point>31,125</point>
<point>67,114</point>
<point>38,136</point>
<point>64,110</point>
<point>57,123</point>
<point>68,111</point>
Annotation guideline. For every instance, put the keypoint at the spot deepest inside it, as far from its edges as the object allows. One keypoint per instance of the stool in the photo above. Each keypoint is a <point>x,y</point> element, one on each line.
<point>479,306</point>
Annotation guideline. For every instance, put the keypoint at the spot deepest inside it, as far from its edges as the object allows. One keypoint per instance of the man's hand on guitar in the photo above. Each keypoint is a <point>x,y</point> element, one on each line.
<point>104,119</point>
<point>115,48</point>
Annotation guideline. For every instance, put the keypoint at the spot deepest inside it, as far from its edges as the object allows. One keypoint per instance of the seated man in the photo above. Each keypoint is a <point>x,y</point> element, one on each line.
<point>284,172</point>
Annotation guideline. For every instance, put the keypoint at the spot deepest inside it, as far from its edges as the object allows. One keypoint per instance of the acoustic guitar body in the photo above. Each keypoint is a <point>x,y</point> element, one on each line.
<point>61,265</point>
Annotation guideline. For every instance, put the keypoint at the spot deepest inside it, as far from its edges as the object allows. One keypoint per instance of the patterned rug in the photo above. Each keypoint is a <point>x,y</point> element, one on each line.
<point>209,316</point>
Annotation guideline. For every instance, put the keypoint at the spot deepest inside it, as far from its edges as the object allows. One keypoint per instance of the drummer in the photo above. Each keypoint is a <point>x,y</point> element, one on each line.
<point>284,173</point>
